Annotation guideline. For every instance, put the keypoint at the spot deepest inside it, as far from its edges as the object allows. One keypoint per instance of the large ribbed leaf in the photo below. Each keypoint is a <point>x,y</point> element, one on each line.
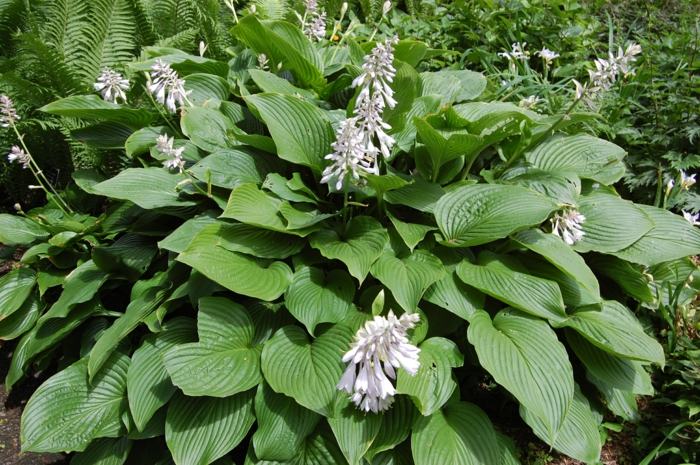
<point>80,285</point>
<point>296,55</point>
<point>578,436</point>
<point>199,431</point>
<point>306,371</point>
<point>206,128</point>
<point>556,252</point>
<point>104,452</point>
<point>536,296</point>
<point>433,384</point>
<point>620,373</point>
<point>93,107</point>
<point>397,423</point>
<point>148,384</point>
<point>146,187</point>
<point>283,425</point>
<point>206,87</point>
<point>21,320</point>
<point>587,156</point>
<point>230,167</point>
<point>481,213</point>
<point>613,328</point>
<point>408,278</point>
<point>302,132</point>
<point>461,433</point>
<point>453,295</point>
<point>129,256</point>
<point>66,413</point>
<point>358,247</point>
<point>319,448</point>
<point>354,430</point>
<point>523,354</point>
<point>178,240</point>
<point>240,273</point>
<point>15,287</point>
<point>411,233</point>
<point>258,242</point>
<point>15,230</point>
<point>671,237</point>
<point>611,223</point>
<point>420,195</point>
<point>316,297</point>
<point>224,361</point>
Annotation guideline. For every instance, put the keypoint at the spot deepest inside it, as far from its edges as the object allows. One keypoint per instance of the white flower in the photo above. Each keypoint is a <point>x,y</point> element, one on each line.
<point>263,62</point>
<point>567,225</point>
<point>202,48</point>
<point>314,21</point>
<point>20,156</point>
<point>8,114</point>
<point>687,181</point>
<point>174,156</point>
<point>669,185</point>
<point>547,55</point>
<point>111,85</point>
<point>529,102</point>
<point>166,86</point>
<point>517,52</point>
<point>361,138</point>
<point>386,7</point>
<point>607,72</point>
<point>379,348</point>
<point>692,218</point>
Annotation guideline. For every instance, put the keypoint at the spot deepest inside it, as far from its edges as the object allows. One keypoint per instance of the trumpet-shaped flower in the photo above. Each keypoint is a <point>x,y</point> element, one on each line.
<point>314,21</point>
<point>379,348</point>
<point>20,156</point>
<point>166,86</point>
<point>693,218</point>
<point>567,224</point>
<point>547,55</point>
<point>174,159</point>
<point>687,181</point>
<point>8,114</point>
<point>111,86</point>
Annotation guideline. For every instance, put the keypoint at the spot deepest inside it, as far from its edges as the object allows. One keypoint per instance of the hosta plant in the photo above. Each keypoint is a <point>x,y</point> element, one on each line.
<point>321,256</point>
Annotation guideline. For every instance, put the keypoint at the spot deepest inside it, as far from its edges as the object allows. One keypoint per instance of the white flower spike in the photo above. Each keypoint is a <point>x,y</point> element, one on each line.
<point>314,21</point>
<point>379,348</point>
<point>174,158</point>
<point>8,114</point>
<point>112,86</point>
<point>547,55</point>
<point>20,156</point>
<point>166,86</point>
<point>693,218</point>
<point>567,225</point>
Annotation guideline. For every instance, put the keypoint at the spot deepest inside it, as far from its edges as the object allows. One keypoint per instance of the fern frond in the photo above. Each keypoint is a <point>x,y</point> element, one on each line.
<point>63,27</point>
<point>184,40</point>
<point>48,64</point>
<point>272,9</point>
<point>11,15</point>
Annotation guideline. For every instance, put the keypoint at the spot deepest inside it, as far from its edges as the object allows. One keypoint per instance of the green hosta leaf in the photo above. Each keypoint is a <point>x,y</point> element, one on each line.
<point>563,187</point>
<point>240,273</point>
<point>523,355</point>
<point>224,361</point>
<point>206,128</point>
<point>316,297</point>
<point>293,190</point>
<point>104,452</point>
<point>184,63</point>
<point>359,247</point>
<point>66,413</point>
<point>16,230</point>
<point>178,240</point>
<point>670,238</point>
<point>556,252</point>
<point>444,147</point>
<point>148,383</point>
<point>283,425</point>
<point>141,141</point>
<point>619,402</point>
<point>303,220</point>
<point>129,256</point>
<point>230,167</point>
<point>611,223</point>
<point>411,233</point>
<point>284,44</point>
<point>146,187</point>
<point>454,296</point>
<point>433,384</point>
<point>319,448</point>
<point>269,82</point>
<point>461,433</point>
<point>307,371</point>
<point>536,296</point>
<point>408,278</point>
<point>354,430</point>
<point>613,328</point>
<point>587,156</point>
<point>206,87</point>
<point>200,431</point>
<point>620,373</point>
<point>15,287</point>
<point>629,276</point>
<point>578,436</point>
<point>93,107</point>
<point>258,242</point>
<point>468,85</point>
<point>301,131</point>
<point>420,195</point>
<point>251,205</point>
<point>396,425</point>
<point>481,213</point>
<point>21,320</point>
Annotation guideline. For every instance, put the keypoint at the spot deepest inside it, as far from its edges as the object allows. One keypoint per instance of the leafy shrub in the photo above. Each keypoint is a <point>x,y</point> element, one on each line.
<point>236,262</point>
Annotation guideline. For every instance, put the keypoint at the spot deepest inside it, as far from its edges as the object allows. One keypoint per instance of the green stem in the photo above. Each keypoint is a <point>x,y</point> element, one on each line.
<point>161,113</point>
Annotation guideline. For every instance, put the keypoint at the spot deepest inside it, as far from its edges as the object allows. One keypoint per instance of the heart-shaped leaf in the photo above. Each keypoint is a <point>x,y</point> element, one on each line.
<point>224,361</point>
<point>354,430</point>
<point>15,287</point>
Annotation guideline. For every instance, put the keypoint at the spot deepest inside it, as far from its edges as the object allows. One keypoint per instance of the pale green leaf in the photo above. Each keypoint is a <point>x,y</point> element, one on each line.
<point>146,187</point>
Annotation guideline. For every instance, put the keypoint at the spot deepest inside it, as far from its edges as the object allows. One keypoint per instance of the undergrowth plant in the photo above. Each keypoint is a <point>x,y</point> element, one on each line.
<point>320,255</point>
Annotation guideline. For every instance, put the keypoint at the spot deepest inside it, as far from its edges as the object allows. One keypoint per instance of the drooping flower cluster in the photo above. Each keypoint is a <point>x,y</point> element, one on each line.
<point>567,224</point>
<point>361,138</point>
<point>314,21</point>
<point>687,181</point>
<point>379,348</point>
<point>20,156</point>
<point>174,159</point>
<point>263,62</point>
<point>606,73</point>
<point>166,86</point>
<point>8,114</point>
<point>693,218</point>
<point>547,55</point>
<point>517,52</point>
<point>111,85</point>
